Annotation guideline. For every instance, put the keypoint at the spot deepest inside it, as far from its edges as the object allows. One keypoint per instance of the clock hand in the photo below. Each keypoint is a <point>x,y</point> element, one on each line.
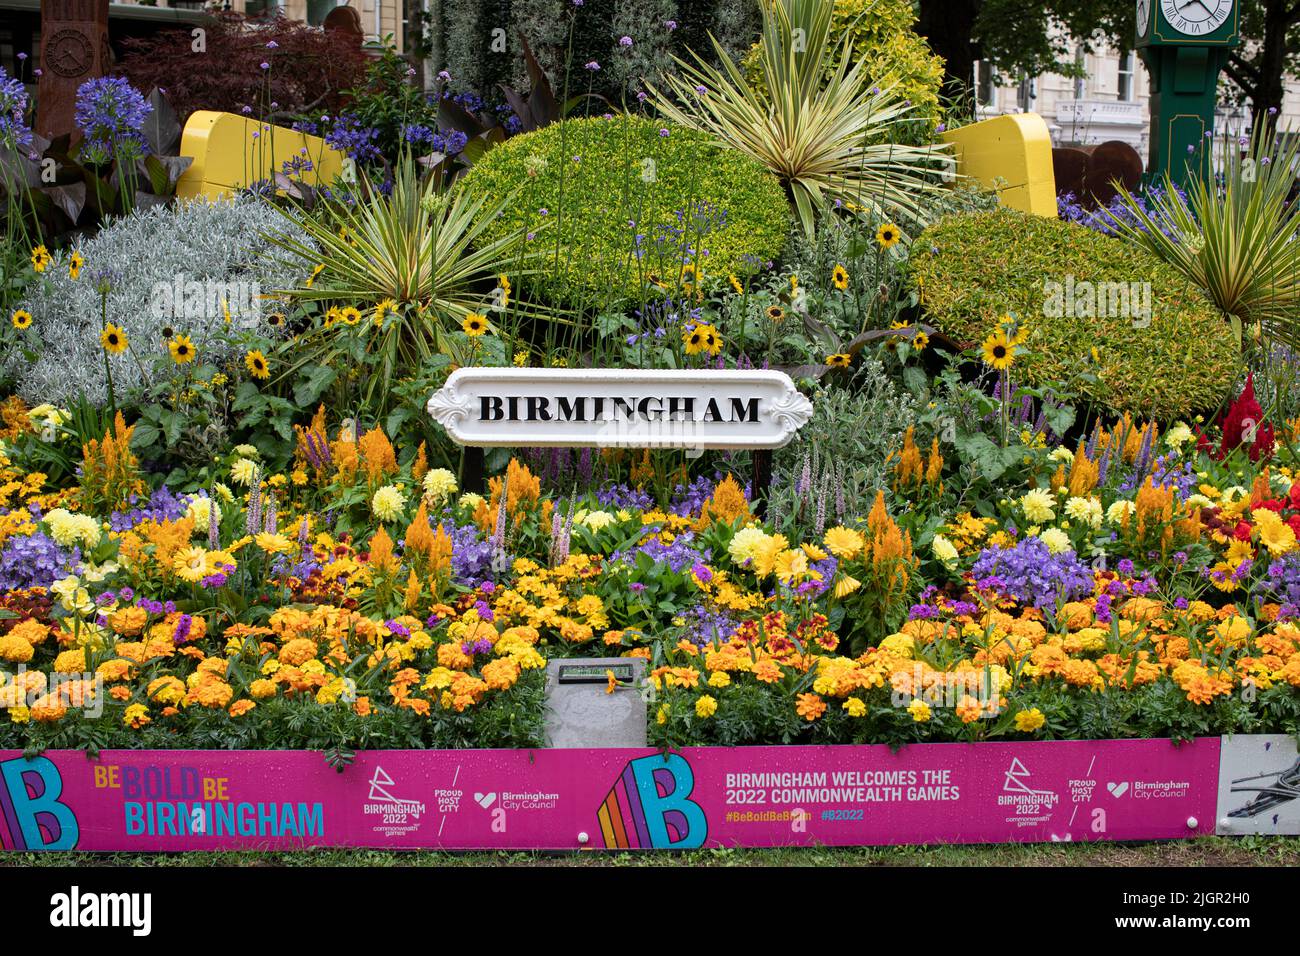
<point>1199,3</point>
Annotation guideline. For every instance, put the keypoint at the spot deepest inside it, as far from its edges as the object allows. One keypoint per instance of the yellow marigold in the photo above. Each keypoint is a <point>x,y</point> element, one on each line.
<point>810,706</point>
<point>212,693</point>
<point>1027,721</point>
<point>900,644</point>
<point>262,688</point>
<point>48,708</point>
<point>136,716</point>
<point>128,621</point>
<point>298,651</point>
<point>166,690</point>
<point>451,656</point>
<point>768,671</point>
<point>114,671</point>
<point>240,707</point>
<point>15,649</point>
<point>706,706</point>
<point>501,673</point>
<point>71,662</point>
<point>919,710</point>
<point>855,707</point>
<point>968,709</point>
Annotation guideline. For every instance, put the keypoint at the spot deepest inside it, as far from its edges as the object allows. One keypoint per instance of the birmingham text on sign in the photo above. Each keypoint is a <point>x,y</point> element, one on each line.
<point>724,408</point>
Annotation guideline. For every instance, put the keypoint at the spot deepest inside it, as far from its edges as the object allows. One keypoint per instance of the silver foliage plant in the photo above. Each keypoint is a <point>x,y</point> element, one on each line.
<point>830,473</point>
<point>197,241</point>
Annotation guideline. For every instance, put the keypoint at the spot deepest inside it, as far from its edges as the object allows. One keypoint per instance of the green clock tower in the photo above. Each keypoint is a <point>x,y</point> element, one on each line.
<point>1184,44</point>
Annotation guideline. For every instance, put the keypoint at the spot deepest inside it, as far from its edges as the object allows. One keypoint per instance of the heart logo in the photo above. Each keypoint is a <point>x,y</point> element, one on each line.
<point>485,800</point>
<point>1118,789</point>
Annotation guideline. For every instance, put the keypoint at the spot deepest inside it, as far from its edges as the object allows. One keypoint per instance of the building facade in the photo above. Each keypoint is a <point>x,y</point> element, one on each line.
<point>379,18</point>
<point>1110,102</point>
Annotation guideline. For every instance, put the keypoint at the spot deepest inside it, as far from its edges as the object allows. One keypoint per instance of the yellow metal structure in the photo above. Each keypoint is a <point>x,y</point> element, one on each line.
<point>1015,148</point>
<point>232,152</point>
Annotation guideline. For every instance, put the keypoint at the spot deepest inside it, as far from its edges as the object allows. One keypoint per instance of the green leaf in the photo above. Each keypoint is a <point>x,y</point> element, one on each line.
<point>317,378</point>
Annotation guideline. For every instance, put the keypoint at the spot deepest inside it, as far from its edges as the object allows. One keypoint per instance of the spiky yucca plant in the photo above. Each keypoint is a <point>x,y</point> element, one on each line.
<point>1234,234</point>
<point>418,248</point>
<point>416,245</point>
<point>826,138</point>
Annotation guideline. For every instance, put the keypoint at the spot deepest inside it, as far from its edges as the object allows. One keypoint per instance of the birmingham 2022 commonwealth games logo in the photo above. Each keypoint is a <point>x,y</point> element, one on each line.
<point>31,816</point>
<point>650,807</point>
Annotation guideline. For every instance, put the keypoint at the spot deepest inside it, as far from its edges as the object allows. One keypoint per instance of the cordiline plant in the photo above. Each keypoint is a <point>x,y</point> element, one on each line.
<point>816,120</point>
<point>1234,233</point>
<point>422,250</point>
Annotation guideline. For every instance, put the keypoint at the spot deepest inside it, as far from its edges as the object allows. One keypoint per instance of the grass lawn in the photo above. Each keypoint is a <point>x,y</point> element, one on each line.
<point>1210,851</point>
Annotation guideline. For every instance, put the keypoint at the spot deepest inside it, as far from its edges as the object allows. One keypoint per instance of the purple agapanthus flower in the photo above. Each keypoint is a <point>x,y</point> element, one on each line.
<point>13,111</point>
<point>111,114</point>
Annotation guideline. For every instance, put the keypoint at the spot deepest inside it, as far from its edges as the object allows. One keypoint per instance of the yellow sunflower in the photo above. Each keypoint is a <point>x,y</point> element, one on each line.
<point>40,258</point>
<point>999,351</point>
<point>712,340</point>
<point>257,366</point>
<point>350,316</point>
<point>737,285</point>
<point>75,262</point>
<point>840,277</point>
<point>504,285</point>
<point>839,360</point>
<point>182,349</point>
<point>695,340</point>
<point>920,340</point>
<point>113,339</point>
<point>888,235</point>
<point>386,307</point>
<point>475,325</point>
<point>275,320</point>
<point>775,313</point>
<point>21,319</point>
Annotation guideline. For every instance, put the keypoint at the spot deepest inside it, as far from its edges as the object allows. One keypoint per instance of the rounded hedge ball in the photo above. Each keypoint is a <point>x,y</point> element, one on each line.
<point>1126,329</point>
<point>619,204</point>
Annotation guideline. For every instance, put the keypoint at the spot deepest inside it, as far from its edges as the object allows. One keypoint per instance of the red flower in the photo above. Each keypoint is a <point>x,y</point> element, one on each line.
<point>1242,424</point>
<point>1242,531</point>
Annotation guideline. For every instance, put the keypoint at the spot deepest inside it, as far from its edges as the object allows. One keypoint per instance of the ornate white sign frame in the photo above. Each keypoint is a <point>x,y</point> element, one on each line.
<point>620,408</point>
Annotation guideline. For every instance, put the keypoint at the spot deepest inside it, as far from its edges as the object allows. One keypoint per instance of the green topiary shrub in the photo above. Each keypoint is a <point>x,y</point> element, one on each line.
<point>595,191</point>
<point>895,56</point>
<point>1167,353</point>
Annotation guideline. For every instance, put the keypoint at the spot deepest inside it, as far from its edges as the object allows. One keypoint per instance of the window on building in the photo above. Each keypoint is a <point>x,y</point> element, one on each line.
<point>318,10</point>
<point>984,83</point>
<point>1126,74</point>
<point>1026,95</point>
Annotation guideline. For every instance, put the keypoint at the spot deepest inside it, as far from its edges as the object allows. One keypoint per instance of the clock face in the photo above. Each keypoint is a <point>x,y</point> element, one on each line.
<point>1196,17</point>
<point>1143,16</point>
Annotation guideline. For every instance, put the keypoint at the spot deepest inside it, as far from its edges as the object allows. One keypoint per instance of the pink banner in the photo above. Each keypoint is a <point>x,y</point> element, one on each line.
<point>566,799</point>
